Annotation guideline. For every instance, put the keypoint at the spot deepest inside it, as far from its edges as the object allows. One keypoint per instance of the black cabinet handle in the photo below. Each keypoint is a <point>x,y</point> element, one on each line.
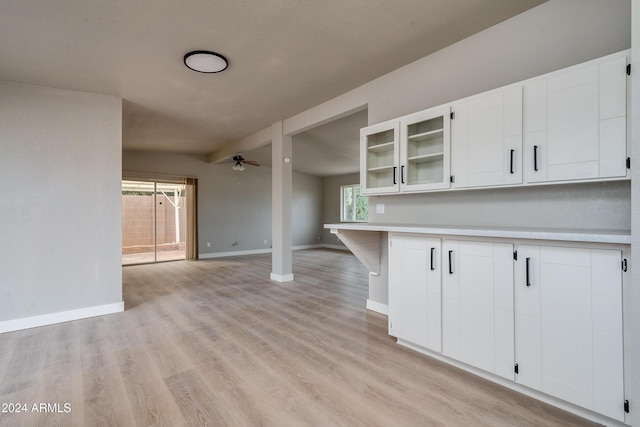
<point>527,271</point>
<point>511,161</point>
<point>395,169</point>
<point>535,158</point>
<point>450,262</point>
<point>433,267</point>
<point>402,174</point>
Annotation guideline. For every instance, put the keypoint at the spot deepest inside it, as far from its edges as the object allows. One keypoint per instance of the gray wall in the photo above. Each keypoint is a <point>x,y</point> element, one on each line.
<point>306,215</point>
<point>331,210</point>
<point>60,206</point>
<point>234,208</point>
<point>596,206</point>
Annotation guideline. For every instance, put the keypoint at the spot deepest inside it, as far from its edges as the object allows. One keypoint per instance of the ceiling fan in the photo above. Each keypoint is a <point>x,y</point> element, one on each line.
<point>240,162</point>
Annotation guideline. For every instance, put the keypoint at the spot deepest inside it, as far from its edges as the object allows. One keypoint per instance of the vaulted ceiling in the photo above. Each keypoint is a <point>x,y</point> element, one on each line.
<point>285,56</point>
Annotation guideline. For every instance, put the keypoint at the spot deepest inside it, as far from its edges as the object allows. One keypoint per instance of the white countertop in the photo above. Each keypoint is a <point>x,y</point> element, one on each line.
<point>592,236</point>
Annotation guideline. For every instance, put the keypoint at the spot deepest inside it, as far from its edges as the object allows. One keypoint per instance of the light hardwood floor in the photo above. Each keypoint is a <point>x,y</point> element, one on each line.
<point>214,342</point>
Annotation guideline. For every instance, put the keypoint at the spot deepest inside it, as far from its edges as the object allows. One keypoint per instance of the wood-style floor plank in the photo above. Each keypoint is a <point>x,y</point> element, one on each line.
<point>215,342</point>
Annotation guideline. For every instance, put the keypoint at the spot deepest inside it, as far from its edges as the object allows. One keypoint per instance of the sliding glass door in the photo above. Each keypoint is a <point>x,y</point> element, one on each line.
<point>153,221</point>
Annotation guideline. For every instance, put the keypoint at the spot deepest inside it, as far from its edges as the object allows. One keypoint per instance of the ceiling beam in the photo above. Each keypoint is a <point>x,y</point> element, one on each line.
<point>247,143</point>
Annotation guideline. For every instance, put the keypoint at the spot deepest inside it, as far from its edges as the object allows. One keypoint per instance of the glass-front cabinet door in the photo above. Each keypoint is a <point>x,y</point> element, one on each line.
<point>424,150</point>
<point>379,158</point>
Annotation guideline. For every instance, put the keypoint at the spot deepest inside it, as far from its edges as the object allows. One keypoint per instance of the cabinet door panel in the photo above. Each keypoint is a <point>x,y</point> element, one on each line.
<point>434,295</point>
<point>613,150</point>
<point>535,106</point>
<point>607,326</point>
<point>476,309</point>
<point>535,156</point>
<point>478,305</point>
<point>583,113</point>
<point>450,299</point>
<point>486,130</point>
<point>613,88</point>
<point>379,158</point>
<point>414,291</point>
<point>527,310</point>
<point>569,340</point>
<point>566,331</point>
<point>425,150</point>
<point>573,133</point>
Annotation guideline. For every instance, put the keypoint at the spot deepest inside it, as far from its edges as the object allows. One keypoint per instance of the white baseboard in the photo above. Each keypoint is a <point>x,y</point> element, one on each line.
<point>60,317</point>
<point>254,251</point>
<point>281,277</point>
<point>234,253</point>
<point>378,307</point>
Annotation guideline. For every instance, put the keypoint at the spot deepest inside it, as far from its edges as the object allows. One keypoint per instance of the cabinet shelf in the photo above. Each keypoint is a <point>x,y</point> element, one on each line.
<point>385,146</point>
<point>435,157</point>
<point>380,168</point>
<point>426,136</point>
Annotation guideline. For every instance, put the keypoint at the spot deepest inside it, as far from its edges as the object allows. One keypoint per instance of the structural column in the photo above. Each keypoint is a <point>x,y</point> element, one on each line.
<point>281,195</point>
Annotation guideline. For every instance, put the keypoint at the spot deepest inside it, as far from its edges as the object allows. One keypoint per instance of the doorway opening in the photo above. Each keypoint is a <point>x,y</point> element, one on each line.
<point>154,221</point>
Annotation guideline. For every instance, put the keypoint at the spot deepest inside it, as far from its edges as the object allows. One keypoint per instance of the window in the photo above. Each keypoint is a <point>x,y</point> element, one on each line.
<point>354,207</point>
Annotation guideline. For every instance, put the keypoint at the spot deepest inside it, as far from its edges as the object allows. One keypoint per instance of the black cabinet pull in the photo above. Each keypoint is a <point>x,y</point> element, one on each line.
<point>527,271</point>
<point>450,262</point>
<point>402,174</point>
<point>433,267</point>
<point>511,161</point>
<point>535,158</point>
<point>394,175</point>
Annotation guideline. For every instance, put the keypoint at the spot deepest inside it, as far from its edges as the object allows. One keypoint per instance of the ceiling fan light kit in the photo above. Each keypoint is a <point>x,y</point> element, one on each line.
<point>240,162</point>
<point>204,61</point>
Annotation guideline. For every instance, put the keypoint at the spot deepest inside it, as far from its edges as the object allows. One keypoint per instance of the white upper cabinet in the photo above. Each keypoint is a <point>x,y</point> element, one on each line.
<point>379,158</point>
<point>424,150</point>
<point>565,126</point>
<point>575,122</point>
<point>408,154</point>
<point>486,139</point>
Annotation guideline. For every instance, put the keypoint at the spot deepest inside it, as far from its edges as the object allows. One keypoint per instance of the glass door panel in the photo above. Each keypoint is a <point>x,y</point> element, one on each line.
<point>170,222</point>
<point>138,222</point>
<point>153,222</point>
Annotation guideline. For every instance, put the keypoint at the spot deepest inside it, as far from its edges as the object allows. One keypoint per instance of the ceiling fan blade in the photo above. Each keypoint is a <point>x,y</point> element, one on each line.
<point>251,162</point>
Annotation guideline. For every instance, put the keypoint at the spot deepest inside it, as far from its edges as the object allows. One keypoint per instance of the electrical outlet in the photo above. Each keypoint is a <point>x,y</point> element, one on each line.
<point>265,241</point>
<point>208,244</point>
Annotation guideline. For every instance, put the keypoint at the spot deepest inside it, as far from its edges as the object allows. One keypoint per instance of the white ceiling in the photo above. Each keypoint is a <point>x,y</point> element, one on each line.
<point>285,56</point>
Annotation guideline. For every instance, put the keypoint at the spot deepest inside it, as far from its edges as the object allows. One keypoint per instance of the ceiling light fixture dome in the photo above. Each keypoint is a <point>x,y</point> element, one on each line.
<point>204,61</point>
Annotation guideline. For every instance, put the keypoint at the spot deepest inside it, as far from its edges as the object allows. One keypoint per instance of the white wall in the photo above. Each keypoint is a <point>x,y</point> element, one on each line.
<point>235,207</point>
<point>60,204</point>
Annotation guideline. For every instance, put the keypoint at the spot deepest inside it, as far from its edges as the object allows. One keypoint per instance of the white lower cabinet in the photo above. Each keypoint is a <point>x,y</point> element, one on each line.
<point>546,317</point>
<point>414,290</point>
<point>477,305</point>
<point>569,325</point>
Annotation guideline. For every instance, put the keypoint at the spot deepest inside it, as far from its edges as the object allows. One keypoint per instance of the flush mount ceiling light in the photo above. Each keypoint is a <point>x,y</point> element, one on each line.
<point>204,61</point>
